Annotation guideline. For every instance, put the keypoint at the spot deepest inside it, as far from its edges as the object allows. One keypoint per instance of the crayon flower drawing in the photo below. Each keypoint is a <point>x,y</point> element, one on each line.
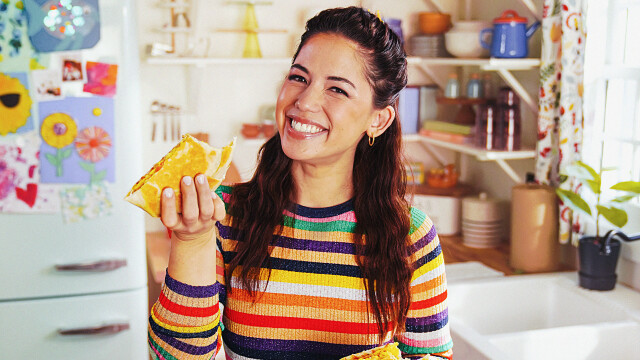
<point>58,130</point>
<point>93,144</point>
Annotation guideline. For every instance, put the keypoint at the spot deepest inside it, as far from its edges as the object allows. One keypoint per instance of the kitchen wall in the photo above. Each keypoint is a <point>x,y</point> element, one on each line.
<point>222,97</point>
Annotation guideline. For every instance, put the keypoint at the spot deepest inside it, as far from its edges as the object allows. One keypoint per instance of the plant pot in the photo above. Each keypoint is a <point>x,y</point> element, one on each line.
<point>597,269</point>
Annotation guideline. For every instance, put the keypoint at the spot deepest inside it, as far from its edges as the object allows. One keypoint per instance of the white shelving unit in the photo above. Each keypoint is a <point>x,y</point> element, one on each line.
<point>502,66</point>
<point>500,157</point>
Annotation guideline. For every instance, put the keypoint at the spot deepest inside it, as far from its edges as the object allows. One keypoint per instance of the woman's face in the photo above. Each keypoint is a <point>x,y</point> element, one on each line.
<point>325,104</point>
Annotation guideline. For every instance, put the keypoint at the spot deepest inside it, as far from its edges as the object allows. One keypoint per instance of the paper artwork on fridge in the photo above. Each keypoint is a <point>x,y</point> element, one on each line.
<point>20,190</point>
<point>16,51</point>
<point>84,202</point>
<point>15,104</point>
<point>78,140</point>
<point>47,84</point>
<point>101,78</point>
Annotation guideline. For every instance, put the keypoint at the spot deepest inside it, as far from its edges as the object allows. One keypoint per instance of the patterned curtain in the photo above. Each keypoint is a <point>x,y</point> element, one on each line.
<point>560,120</point>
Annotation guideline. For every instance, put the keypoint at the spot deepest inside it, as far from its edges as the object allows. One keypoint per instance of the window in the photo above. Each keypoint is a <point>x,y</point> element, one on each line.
<point>612,90</point>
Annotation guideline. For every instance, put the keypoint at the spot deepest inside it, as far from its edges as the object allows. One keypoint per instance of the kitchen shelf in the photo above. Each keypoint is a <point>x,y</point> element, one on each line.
<point>204,61</point>
<point>500,157</point>
<point>173,30</point>
<point>503,67</point>
<point>173,4</point>
<point>484,64</point>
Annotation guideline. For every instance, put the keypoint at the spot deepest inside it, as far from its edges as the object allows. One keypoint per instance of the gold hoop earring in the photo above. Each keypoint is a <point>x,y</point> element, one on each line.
<point>371,140</point>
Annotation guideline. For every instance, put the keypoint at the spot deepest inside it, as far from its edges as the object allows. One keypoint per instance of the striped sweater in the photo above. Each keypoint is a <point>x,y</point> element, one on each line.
<point>313,306</point>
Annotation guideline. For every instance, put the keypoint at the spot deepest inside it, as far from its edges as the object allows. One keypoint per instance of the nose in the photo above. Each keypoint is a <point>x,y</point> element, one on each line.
<point>310,99</point>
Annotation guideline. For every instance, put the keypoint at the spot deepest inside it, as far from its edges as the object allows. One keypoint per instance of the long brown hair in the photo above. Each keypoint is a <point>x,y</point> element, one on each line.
<point>380,207</point>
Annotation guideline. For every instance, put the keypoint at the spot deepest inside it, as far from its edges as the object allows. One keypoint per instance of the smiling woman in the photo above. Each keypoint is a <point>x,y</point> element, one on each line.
<point>318,255</point>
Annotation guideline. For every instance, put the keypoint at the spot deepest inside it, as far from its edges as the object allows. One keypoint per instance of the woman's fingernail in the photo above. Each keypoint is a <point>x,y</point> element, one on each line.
<point>186,180</point>
<point>168,192</point>
<point>214,195</point>
<point>200,179</point>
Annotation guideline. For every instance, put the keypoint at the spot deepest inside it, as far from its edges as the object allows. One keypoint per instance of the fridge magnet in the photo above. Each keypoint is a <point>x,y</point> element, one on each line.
<point>20,190</point>
<point>63,25</point>
<point>15,104</point>
<point>47,84</point>
<point>78,143</point>
<point>16,51</point>
<point>84,202</point>
<point>101,78</point>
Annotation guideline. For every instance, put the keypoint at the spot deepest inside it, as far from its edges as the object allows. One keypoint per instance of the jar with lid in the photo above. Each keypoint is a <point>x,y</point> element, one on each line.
<point>509,124</point>
<point>452,90</point>
<point>474,87</point>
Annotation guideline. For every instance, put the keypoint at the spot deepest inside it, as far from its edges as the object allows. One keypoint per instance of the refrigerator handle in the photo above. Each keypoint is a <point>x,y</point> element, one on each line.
<point>96,330</point>
<point>101,265</point>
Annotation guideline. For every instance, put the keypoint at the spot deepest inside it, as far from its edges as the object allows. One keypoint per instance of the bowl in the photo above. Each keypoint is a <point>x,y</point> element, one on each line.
<point>250,131</point>
<point>464,44</point>
<point>433,22</point>
<point>463,40</point>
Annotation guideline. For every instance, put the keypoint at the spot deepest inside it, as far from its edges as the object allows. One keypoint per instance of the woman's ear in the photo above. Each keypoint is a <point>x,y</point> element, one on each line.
<point>383,118</point>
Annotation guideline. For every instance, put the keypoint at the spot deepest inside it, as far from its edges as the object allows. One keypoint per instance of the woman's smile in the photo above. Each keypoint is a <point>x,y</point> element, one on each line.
<point>301,128</point>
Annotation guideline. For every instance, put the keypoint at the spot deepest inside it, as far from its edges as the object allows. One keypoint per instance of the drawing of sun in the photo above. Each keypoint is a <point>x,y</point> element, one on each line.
<point>15,104</point>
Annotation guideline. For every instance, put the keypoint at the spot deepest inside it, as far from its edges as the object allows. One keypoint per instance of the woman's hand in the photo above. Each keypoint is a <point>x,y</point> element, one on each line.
<point>201,208</point>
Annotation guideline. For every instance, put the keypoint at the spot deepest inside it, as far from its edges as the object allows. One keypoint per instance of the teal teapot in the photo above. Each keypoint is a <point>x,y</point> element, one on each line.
<point>510,35</point>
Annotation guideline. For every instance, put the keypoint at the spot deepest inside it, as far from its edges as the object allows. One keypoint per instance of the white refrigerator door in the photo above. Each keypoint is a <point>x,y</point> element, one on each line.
<point>105,326</point>
<point>32,245</point>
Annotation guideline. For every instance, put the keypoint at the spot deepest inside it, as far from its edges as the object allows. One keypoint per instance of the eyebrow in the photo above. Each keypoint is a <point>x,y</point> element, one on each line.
<point>334,78</point>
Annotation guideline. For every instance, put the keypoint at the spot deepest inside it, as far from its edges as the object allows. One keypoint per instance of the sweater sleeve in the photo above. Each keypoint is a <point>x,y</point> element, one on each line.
<point>427,325</point>
<point>184,323</point>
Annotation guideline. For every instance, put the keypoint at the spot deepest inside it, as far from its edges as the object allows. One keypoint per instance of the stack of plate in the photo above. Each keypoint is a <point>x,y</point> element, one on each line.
<point>427,46</point>
<point>482,222</point>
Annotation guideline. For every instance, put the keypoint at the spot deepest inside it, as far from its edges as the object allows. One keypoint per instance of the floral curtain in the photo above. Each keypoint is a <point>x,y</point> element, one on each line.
<point>560,120</point>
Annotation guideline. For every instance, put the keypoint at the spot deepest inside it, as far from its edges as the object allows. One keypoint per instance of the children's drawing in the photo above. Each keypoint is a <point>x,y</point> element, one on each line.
<point>15,104</point>
<point>20,190</point>
<point>101,78</point>
<point>61,25</point>
<point>58,130</point>
<point>47,84</point>
<point>85,202</point>
<point>16,52</point>
<point>93,144</point>
<point>85,125</point>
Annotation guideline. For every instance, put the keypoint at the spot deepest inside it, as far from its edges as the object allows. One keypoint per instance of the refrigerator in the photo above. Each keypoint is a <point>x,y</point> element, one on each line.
<point>78,290</point>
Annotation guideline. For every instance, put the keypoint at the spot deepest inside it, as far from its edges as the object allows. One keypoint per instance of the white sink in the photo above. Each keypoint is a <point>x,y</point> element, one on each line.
<point>619,340</point>
<point>542,317</point>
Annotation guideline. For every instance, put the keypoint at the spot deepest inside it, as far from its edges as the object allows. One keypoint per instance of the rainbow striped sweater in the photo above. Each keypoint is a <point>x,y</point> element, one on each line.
<point>313,306</point>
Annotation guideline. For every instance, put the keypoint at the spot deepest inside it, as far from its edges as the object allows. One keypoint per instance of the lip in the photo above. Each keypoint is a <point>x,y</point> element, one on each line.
<point>300,135</point>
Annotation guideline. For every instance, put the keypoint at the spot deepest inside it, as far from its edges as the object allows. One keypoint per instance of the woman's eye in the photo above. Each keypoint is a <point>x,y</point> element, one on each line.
<point>339,91</point>
<point>297,78</point>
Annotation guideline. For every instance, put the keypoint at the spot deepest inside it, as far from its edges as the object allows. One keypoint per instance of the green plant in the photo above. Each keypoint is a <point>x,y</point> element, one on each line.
<point>592,180</point>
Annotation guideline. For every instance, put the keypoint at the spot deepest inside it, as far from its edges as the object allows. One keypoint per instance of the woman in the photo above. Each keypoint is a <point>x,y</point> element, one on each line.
<point>298,275</point>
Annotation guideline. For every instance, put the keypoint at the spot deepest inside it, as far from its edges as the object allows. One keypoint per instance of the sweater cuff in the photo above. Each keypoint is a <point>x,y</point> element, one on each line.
<point>190,290</point>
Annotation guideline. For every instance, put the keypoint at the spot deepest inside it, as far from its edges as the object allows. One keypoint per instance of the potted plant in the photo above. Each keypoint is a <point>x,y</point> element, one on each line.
<point>598,256</point>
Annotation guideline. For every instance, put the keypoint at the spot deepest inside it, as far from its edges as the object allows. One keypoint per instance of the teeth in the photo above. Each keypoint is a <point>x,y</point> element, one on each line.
<point>306,128</point>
